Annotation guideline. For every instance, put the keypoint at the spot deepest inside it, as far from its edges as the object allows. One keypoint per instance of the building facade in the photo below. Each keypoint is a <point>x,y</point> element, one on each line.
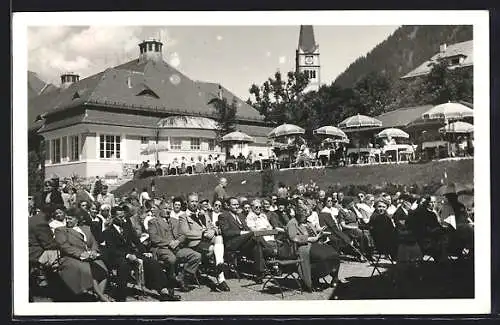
<point>145,109</point>
<point>456,56</point>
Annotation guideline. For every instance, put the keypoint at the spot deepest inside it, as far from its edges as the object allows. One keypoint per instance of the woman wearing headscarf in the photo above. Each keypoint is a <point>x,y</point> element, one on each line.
<point>81,267</point>
<point>317,260</point>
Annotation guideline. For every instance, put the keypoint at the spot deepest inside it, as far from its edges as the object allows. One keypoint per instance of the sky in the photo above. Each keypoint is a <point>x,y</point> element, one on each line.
<point>234,56</point>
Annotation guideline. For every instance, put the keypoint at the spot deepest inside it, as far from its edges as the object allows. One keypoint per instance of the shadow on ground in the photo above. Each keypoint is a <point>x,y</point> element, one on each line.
<point>453,279</point>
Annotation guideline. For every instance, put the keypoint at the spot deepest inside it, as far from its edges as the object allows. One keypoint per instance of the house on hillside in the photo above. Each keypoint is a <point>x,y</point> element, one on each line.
<point>140,110</point>
<point>456,56</point>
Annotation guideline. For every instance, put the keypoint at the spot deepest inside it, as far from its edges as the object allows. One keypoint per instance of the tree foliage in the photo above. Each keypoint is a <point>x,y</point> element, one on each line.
<point>280,100</point>
<point>225,116</point>
<point>403,51</point>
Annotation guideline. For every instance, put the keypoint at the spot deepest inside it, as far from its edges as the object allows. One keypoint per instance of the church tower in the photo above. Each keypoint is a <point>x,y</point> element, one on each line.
<point>307,57</point>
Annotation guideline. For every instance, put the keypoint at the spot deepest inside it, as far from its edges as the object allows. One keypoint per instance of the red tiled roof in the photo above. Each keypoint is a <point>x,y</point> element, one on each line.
<point>121,86</point>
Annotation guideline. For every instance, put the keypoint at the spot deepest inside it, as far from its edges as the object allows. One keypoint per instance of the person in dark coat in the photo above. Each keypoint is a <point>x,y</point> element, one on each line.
<point>383,230</point>
<point>52,195</point>
<point>280,217</point>
<point>84,210</point>
<point>43,249</point>
<point>408,250</point>
<point>425,225</point>
<point>462,237</point>
<point>123,251</point>
<point>238,237</point>
<point>81,265</point>
<point>272,216</point>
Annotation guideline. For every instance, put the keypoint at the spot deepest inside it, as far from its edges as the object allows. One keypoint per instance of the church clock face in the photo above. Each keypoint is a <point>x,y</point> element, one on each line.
<point>309,60</point>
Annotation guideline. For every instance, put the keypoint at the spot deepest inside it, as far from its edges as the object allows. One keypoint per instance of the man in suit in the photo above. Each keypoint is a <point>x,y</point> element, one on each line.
<point>200,234</point>
<point>167,244</point>
<point>123,251</point>
<point>42,246</point>
<point>238,237</point>
<point>431,236</point>
<point>220,190</point>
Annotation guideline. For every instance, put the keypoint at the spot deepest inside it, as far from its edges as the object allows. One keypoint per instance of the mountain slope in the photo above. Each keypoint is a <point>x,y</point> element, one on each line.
<point>404,50</point>
<point>37,86</point>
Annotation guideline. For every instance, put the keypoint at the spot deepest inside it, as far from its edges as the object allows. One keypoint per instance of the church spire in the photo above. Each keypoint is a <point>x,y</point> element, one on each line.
<point>307,42</point>
<point>307,57</point>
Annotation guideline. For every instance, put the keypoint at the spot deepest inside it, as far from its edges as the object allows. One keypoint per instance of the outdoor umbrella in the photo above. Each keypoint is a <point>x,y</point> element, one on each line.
<point>457,127</point>
<point>330,131</point>
<point>237,137</point>
<point>154,148</point>
<point>457,188</point>
<point>330,140</point>
<point>393,133</point>
<point>284,130</point>
<point>448,111</point>
<point>359,121</point>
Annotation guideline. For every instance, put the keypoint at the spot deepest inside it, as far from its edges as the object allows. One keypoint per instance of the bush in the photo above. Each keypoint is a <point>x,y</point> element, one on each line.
<point>267,177</point>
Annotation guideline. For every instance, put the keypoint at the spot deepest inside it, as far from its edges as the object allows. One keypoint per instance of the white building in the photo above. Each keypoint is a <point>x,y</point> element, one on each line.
<point>111,121</point>
<point>456,56</point>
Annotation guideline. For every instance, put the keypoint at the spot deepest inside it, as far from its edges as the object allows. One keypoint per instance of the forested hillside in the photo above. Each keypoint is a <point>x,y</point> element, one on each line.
<point>404,50</point>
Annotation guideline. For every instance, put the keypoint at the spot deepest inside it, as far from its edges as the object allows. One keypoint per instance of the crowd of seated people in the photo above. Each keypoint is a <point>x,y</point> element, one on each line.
<point>166,244</point>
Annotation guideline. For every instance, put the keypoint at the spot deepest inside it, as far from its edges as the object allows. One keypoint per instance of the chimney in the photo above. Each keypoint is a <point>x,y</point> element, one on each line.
<point>442,48</point>
<point>68,78</point>
<point>150,50</point>
<point>219,93</point>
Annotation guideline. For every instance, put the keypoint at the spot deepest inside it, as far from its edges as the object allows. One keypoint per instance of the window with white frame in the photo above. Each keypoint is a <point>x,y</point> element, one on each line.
<point>144,140</point>
<point>211,144</point>
<point>175,143</point>
<point>55,151</point>
<point>109,146</point>
<point>74,148</point>
<point>195,144</point>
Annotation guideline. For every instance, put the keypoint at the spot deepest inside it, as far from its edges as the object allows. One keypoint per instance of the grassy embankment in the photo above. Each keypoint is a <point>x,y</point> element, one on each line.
<point>250,183</point>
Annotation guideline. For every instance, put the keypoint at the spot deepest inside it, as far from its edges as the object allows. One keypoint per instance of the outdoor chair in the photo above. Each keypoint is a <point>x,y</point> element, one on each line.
<point>381,251</point>
<point>284,268</point>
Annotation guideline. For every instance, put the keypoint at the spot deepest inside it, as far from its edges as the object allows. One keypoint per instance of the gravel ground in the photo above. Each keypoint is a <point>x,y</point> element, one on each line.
<point>451,280</point>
